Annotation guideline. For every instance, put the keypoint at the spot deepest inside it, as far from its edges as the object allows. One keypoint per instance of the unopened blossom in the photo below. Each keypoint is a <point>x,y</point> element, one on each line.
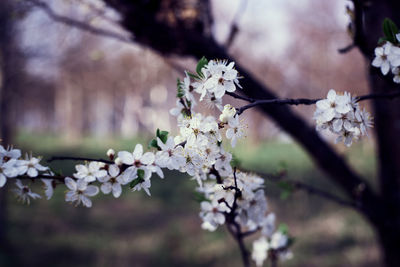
<point>30,166</point>
<point>80,192</point>
<point>90,172</point>
<point>24,193</point>
<point>112,182</point>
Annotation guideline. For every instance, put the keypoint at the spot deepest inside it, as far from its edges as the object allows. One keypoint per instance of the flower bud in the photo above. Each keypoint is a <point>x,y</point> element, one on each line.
<point>111,153</point>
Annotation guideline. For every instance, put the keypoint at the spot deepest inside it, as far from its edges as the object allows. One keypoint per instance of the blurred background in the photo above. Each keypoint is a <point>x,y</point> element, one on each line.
<point>78,93</point>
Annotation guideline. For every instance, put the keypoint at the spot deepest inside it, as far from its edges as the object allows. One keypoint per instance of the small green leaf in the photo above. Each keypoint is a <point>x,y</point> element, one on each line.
<point>390,30</point>
<point>140,174</point>
<point>180,93</point>
<point>286,188</point>
<point>136,181</point>
<point>153,143</point>
<point>200,65</point>
<point>283,228</point>
<point>192,75</point>
<point>163,135</point>
<point>199,197</point>
<point>382,40</point>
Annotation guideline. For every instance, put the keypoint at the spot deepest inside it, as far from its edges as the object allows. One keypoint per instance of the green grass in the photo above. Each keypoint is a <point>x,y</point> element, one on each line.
<point>164,230</point>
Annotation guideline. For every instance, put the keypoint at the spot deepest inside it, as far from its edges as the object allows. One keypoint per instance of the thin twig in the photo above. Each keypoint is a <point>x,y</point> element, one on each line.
<point>305,101</point>
<point>78,24</point>
<point>79,159</point>
<point>234,26</point>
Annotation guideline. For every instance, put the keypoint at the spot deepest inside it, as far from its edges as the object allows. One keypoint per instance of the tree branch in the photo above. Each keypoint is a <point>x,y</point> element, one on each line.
<point>78,24</point>
<point>304,101</point>
<point>79,159</point>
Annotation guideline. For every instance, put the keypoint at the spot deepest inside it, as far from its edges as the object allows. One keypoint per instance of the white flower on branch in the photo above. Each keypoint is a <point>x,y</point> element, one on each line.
<point>260,249</point>
<point>342,115</point>
<point>382,58</point>
<point>171,156</point>
<point>80,192</point>
<point>8,169</point>
<point>112,182</point>
<point>235,131</point>
<point>212,215</point>
<point>222,78</point>
<point>24,193</point>
<point>90,172</point>
<point>10,153</point>
<point>30,166</point>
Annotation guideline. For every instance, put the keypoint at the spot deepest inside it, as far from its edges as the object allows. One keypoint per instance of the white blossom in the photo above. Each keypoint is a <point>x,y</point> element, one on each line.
<point>90,172</point>
<point>80,192</point>
<point>112,182</point>
<point>24,193</point>
<point>235,131</point>
<point>381,58</point>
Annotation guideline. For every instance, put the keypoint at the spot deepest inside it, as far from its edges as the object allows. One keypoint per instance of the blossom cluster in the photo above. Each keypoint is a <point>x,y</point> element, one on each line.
<point>342,115</point>
<point>387,58</point>
<point>229,196</point>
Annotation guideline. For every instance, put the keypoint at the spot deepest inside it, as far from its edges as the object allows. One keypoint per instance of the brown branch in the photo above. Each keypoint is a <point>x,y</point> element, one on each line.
<point>79,159</point>
<point>305,101</point>
<point>78,24</point>
<point>60,178</point>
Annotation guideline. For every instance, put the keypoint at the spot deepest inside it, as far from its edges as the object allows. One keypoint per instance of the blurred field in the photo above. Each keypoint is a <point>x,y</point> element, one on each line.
<point>164,230</point>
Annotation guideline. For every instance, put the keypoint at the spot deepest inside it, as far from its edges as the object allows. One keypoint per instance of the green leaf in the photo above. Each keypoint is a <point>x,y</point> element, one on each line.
<point>153,143</point>
<point>382,40</point>
<point>136,181</point>
<point>202,62</point>
<point>192,75</point>
<point>283,228</point>
<point>163,135</point>
<point>199,197</point>
<point>180,93</point>
<point>286,189</point>
<point>390,30</point>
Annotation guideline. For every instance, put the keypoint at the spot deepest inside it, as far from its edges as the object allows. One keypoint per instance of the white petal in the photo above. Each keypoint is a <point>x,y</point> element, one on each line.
<point>91,190</point>
<point>106,188</point>
<point>138,152</point>
<point>32,172</point>
<point>117,190</point>
<point>331,95</point>
<point>147,158</point>
<point>385,67</point>
<point>70,183</point>
<point>126,157</point>
<point>86,201</point>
